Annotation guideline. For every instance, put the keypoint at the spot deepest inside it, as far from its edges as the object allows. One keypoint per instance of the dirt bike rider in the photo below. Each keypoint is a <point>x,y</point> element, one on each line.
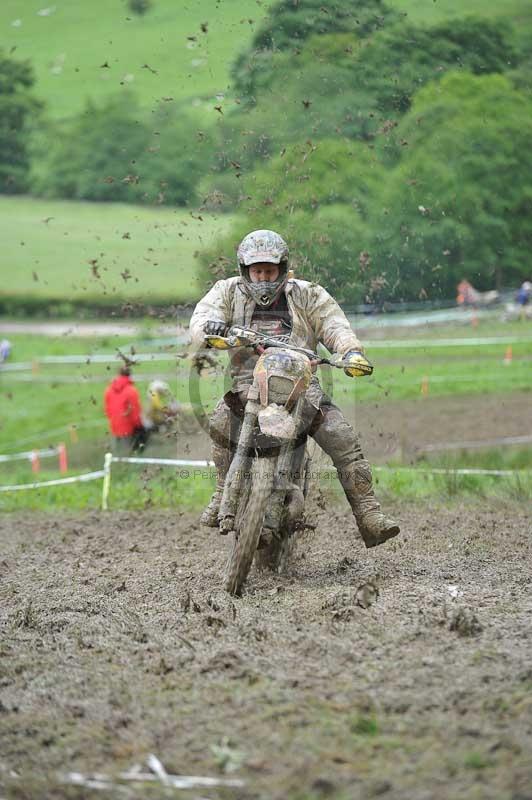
<point>161,409</point>
<point>266,298</point>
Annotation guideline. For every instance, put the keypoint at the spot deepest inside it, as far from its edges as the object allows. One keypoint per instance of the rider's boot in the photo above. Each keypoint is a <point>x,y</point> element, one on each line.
<point>375,528</point>
<point>222,460</point>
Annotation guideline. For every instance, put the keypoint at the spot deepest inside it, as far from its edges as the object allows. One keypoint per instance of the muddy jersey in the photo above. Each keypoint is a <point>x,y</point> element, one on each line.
<point>272,321</point>
<point>310,312</point>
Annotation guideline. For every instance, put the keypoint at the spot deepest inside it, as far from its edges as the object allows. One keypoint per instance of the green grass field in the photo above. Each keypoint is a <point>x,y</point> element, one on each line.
<point>64,251</point>
<point>68,43</point>
<point>432,11</point>
<point>42,407</point>
<point>152,55</point>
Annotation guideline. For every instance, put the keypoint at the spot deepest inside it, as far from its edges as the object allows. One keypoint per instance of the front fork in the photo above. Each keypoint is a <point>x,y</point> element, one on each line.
<point>284,476</point>
<point>234,480</point>
<point>240,466</point>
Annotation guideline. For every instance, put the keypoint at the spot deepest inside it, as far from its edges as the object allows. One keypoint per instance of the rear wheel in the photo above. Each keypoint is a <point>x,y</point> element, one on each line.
<point>249,529</point>
<point>278,552</point>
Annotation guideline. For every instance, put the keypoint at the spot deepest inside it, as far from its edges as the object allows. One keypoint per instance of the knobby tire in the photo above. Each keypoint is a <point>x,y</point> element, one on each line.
<point>245,544</point>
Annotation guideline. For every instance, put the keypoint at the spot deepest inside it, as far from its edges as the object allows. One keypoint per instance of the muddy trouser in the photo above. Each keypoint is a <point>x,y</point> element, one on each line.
<point>330,429</point>
<point>324,422</point>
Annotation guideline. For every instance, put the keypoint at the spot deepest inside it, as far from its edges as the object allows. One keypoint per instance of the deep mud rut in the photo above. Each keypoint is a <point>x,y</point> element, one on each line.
<point>357,675</point>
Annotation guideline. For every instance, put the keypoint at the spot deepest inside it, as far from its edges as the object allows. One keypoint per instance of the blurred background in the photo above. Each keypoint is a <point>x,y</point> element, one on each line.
<point>388,142</point>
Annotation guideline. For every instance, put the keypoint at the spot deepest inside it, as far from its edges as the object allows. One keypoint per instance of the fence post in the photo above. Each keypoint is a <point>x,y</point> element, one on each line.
<point>63,460</point>
<point>108,460</point>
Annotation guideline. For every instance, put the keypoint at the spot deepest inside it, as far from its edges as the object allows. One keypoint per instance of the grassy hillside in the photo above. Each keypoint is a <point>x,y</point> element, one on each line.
<point>105,252</point>
<point>165,53</point>
<point>431,11</point>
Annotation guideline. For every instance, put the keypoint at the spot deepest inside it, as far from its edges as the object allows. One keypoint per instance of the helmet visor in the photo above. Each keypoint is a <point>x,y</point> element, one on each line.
<point>263,257</point>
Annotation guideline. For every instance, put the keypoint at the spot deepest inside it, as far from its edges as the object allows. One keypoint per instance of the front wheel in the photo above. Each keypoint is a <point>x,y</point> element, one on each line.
<point>248,534</point>
<point>278,553</point>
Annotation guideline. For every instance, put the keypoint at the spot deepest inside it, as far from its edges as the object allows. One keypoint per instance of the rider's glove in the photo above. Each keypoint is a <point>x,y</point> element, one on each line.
<point>356,364</point>
<point>215,327</point>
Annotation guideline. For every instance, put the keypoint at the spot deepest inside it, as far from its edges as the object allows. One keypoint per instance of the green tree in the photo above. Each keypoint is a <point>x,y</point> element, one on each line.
<point>17,108</point>
<point>318,197</point>
<point>338,84</point>
<point>459,202</point>
<point>180,152</point>
<point>110,152</point>
<point>290,22</point>
<point>95,157</point>
<point>400,61</point>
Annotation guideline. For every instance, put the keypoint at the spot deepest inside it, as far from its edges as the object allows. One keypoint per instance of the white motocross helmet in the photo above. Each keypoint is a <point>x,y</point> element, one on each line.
<point>260,247</point>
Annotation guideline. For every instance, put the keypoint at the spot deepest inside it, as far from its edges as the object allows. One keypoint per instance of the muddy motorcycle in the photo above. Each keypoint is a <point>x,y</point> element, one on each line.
<point>266,485</point>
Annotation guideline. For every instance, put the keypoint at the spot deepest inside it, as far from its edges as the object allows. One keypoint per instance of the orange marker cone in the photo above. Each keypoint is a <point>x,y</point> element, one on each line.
<point>508,355</point>
<point>35,463</point>
<point>425,385</point>
<point>63,461</point>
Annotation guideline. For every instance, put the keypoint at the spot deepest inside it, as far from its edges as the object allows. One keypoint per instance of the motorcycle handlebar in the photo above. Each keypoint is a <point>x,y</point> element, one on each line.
<point>244,337</point>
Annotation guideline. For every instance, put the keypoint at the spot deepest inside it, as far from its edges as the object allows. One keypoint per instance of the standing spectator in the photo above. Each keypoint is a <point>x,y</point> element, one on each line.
<point>5,350</point>
<point>467,295</point>
<point>123,410</point>
<point>522,298</point>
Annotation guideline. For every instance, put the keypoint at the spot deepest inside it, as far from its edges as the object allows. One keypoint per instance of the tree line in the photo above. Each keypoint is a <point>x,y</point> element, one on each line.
<point>393,157</point>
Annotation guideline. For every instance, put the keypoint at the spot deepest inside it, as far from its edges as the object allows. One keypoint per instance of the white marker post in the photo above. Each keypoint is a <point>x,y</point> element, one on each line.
<point>106,479</point>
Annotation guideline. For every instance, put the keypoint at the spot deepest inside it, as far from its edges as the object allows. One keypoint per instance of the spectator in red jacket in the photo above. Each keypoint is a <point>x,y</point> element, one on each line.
<point>123,410</point>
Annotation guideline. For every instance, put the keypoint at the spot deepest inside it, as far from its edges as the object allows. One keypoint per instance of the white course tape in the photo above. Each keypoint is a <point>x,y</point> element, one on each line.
<point>87,476</point>
<point>105,358</point>
<point>476,444</point>
<point>57,431</point>
<point>464,471</point>
<point>83,379</point>
<point>105,473</point>
<point>95,358</point>
<point>463,342</point>
<point>30,454</point>
<point>177,462</point>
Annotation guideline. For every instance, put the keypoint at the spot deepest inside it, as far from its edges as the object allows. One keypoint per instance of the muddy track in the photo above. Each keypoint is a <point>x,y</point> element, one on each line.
<point>401,428</point>
<point>357,675</point>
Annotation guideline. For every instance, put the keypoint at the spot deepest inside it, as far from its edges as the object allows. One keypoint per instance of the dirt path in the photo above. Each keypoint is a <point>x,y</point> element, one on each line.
<point>401,429</point>
<point>116,642</point>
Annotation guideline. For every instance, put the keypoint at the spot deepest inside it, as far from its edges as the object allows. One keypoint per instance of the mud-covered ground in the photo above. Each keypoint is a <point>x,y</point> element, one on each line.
<point>401,672</point>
